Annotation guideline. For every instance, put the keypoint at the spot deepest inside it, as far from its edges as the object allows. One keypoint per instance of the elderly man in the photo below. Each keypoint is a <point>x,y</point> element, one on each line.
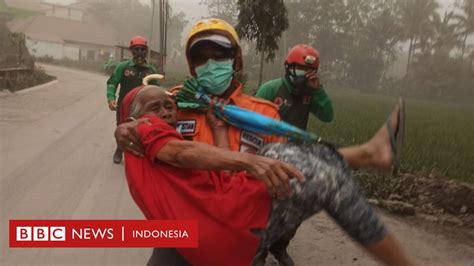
<point>214,58</point>
<point>166,184</point>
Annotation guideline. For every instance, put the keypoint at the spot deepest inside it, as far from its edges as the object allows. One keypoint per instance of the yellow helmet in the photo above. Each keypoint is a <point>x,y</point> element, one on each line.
<point>215,26</point>
<point>206,25</point>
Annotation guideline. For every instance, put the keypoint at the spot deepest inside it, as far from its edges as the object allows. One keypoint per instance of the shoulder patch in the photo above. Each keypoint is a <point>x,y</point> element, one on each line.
<point>186,126</point>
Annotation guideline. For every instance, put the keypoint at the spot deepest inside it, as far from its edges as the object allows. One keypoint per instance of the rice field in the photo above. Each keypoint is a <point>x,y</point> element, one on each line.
<point>439,137</point>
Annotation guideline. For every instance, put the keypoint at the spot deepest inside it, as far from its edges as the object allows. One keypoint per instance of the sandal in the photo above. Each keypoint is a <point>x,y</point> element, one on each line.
<point>396,136</point>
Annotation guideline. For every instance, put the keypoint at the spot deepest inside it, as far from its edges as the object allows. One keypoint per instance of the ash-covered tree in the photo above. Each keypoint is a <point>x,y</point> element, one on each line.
<point>224,9</point>
<point>262,21</point>
<point>373,31</point>
<point>466,22</point>
<point>417,17</point>
<point>357,39</point>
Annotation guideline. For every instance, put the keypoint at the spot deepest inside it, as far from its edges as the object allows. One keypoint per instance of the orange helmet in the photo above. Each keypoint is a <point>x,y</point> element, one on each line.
<point>138,40</point>
<point>303,55</point>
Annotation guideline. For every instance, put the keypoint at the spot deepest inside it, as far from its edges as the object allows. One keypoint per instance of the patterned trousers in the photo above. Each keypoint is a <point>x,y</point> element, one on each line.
<point>328,186</point>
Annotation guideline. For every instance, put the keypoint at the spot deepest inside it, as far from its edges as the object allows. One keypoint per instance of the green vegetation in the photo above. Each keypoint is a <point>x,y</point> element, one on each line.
<point>439,137</point>
<point>33,78</point>
<point>16,12</point>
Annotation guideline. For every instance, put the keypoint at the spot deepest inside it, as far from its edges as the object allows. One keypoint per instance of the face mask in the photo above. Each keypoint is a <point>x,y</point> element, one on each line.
<point>215,76</point>
<point>139,54</point>
<point>298,81</point>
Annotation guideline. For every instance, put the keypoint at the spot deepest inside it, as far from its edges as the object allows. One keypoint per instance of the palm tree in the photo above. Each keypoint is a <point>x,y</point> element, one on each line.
<point>445,36</point>
<point>417,16</point>
<point>466,22</point>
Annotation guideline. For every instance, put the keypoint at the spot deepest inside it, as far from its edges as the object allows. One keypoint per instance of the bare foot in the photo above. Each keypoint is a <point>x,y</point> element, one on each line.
<point>379,147</point>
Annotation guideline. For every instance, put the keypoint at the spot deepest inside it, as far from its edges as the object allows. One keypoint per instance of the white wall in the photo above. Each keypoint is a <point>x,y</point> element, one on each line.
<point>71,51</point>
<point>100,52</point>
<point>42,48</point>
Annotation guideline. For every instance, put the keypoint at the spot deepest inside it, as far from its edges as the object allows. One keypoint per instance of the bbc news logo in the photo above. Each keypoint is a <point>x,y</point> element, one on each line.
<point>41,233</point>
<point>103,233</point>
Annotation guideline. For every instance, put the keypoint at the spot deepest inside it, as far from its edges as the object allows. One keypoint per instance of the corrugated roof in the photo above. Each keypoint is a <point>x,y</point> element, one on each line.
<point>54,29</point>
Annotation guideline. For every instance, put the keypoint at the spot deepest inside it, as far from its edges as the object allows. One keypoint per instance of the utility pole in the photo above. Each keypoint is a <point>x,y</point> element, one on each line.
<point>163,10</point>
<point>165,41</point>
<point>160,4</point>
<point>150,39</point>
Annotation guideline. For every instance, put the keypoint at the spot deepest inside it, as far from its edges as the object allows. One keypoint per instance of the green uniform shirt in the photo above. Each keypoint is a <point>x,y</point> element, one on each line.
<point>295,109</point>
<point>129,75</point>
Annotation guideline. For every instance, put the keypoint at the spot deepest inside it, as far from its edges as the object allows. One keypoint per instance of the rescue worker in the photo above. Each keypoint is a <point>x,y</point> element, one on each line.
<point>128,74</point>
<point>214,57</point>
<point>181,179</point>
<point>299,92</point>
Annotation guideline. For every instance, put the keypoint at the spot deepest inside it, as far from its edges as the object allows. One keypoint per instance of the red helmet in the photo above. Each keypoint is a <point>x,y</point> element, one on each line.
<point>304,55</point>
<point>138,40</point>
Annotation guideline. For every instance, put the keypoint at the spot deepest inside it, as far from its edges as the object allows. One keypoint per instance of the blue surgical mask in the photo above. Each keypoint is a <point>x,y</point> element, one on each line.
<point>215,76</point>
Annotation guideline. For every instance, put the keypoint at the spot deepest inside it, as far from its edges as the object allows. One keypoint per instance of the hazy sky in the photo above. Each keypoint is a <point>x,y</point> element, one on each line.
<point>194,11</point>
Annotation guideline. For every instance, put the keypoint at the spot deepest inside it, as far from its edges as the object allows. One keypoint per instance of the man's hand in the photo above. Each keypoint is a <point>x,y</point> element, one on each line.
<point>313,80</point>
<point>212,120</point>
<point>274,173</point>
<point>218,127</point>
<point>128,139</point>
<point>113,105</point>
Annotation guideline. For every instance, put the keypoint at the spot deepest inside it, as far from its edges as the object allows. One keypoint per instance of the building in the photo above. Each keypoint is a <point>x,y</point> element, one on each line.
<point>62,32</point>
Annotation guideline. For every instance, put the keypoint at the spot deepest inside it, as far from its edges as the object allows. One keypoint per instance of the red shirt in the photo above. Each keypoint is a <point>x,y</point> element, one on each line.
<point>226,207</point>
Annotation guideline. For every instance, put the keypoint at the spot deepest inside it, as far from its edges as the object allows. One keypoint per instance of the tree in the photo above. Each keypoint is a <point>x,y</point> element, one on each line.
<point>374,31</point>
<point>176,24</point>
<point>445,37</point>
<point>466,22</point>
<point>319,24</point>
<point>263,21</point>
<point>416,16</point>
<point>223,9</point>
<point>357,39</point>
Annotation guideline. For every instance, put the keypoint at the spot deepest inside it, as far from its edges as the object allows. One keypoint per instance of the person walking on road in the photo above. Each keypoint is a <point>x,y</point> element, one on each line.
<point>128,74</point>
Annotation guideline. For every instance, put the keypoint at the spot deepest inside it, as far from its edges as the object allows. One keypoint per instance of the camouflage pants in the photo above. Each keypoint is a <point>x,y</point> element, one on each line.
<point>328,186</point>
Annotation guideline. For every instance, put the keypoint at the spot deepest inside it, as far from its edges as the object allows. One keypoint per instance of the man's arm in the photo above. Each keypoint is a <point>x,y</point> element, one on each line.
<point>192,154</point>
<point>268,90</point>
<point>114,81</point>
<point>189,154</point>
<point>321,106</point>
